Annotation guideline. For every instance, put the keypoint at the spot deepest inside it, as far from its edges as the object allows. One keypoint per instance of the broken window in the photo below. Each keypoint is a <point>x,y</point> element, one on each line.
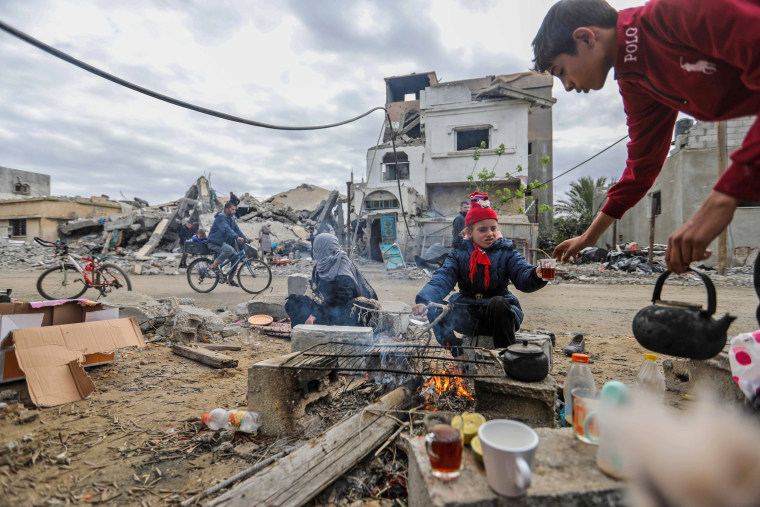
<point>17,227</point>
<point>471,138</point>
<point>657,203</point>
<point>22,188</point>
<point>392,170</point>
<point>380,200</point>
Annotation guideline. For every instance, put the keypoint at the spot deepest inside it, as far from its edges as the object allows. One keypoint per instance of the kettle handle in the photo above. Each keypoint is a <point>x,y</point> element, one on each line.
<point>711,297</point>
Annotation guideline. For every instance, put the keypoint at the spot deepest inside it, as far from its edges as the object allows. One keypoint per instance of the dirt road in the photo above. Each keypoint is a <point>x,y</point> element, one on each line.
<point>136,439</point>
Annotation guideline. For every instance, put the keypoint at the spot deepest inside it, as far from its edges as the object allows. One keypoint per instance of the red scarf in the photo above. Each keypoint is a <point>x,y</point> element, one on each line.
<point>479,256</point>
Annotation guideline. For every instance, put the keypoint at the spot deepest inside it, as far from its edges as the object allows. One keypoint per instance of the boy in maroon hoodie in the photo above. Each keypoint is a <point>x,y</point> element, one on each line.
<point>701,57</point>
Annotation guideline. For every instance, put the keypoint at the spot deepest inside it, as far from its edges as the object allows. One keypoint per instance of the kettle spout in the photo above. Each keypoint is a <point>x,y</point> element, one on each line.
<point>724,322</point>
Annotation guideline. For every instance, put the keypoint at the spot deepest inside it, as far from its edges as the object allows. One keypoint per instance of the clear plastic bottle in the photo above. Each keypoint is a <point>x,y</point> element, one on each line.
<point>579,376</point>
<point>217,419</point>
<point>650,378</point>
<point>239,420</point>
<point>247,422</point>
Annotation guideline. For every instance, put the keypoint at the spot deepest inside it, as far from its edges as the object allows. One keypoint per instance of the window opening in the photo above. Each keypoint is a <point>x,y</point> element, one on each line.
<point>393,171</point>
<point>472,138</point>
<point>17,226</point>
<point>657,203</point>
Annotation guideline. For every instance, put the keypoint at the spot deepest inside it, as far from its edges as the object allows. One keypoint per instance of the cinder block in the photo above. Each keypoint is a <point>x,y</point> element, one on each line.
<point>529,402</point>
<point>298,284</point>
<point>281,395</point>
<point>305,335</point>
<point>689,375</point>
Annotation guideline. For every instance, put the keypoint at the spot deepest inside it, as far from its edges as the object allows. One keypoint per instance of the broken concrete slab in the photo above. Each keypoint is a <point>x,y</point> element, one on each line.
<point>308,335</point>
<point>155,238</point>
<point>564,473</point>
<point>192,323</point>
<point>395,317</point>
<point>264,305</point>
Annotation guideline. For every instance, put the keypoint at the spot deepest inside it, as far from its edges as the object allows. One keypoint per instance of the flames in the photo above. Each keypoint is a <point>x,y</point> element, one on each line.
<point>440,385</point>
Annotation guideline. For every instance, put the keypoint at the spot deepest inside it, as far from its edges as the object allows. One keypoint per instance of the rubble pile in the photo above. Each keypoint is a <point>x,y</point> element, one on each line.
<point>179,320</point>
<point>597,273</point>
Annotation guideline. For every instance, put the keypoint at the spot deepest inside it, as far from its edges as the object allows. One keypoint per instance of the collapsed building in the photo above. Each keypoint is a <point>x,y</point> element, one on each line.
<point>686,179</point>
<point>410,198</point>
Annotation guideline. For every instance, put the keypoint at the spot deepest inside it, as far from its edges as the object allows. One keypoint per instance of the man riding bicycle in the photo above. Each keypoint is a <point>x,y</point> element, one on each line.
<point>225,239</point>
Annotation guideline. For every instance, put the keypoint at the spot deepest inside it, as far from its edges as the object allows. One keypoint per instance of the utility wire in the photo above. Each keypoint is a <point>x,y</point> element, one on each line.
<point>588,159</point>
<point>105,75</point>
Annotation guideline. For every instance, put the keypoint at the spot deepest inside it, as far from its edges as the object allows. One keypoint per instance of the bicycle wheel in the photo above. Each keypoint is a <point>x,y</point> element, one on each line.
<point>115,277</point>
<point>200,277</point>
<point>61,282</point>
<point>254,276</point>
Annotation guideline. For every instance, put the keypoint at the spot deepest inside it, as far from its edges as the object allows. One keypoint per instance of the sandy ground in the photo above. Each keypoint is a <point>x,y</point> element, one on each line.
<point>136,439</point>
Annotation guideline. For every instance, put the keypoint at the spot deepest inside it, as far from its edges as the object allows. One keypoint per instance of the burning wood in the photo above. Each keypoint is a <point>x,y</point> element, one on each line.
<point>443,389</point>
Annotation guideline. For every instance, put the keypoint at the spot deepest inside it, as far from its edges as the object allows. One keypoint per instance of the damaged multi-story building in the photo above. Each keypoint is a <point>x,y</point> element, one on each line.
<point>410,198</point>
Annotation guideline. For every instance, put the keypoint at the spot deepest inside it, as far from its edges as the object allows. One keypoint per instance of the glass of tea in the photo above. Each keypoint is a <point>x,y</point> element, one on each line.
<point>443,443</point>
<point>548,268</point>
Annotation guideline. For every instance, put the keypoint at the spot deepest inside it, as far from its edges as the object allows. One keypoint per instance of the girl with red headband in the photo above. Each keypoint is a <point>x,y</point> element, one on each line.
<point>482,266</point>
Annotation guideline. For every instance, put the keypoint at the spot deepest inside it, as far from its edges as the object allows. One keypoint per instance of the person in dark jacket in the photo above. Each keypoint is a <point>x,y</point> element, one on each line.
<point>336,284</point>
<point>185,234</point>
<point>482,267</point>
<point>225,238</point>
<point>699,57</point>
<point>458,225</point>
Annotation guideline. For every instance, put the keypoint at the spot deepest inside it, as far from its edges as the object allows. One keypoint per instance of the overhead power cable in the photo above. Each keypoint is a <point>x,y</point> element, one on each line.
<point>588,159</point>
<point>123,82</point>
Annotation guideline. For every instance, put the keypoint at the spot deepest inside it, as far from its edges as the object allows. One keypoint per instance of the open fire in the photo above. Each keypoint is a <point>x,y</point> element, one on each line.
<point>446,386</point>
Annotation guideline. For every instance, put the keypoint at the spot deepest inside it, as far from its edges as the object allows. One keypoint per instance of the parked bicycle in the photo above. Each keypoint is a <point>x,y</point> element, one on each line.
<point>253,274</point>
<point>70,279</point>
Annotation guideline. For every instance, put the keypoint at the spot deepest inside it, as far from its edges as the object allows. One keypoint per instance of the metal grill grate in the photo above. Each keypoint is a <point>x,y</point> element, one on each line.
<point>402,359</point>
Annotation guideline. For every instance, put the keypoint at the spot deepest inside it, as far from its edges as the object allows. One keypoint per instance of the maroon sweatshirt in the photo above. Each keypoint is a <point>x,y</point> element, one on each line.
<point>701,57</point>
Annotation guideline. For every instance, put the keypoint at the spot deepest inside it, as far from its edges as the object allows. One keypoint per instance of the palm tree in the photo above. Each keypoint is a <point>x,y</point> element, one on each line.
<point>579,204</point>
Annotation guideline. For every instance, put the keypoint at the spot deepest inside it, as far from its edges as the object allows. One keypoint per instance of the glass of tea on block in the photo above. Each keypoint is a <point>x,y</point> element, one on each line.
<point>548,268</point>
<point>443,443</point>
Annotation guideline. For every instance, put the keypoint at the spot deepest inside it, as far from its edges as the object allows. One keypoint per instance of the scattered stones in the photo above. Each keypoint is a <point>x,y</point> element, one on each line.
<point>27,416</point>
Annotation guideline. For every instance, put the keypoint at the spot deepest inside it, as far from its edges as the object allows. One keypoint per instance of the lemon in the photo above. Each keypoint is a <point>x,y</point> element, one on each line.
<point>477,451</point>
<point>471,421</point>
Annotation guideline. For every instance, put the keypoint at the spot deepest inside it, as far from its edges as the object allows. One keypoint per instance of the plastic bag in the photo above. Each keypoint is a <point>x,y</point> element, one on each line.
<point>744,357</point>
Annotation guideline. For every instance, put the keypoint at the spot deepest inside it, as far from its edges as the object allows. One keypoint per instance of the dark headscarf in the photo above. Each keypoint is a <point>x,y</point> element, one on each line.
<point>332,261</point>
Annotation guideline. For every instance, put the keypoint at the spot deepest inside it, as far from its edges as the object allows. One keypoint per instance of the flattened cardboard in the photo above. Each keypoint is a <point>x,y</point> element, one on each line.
<point>51,356</point>
<point>47,313</point>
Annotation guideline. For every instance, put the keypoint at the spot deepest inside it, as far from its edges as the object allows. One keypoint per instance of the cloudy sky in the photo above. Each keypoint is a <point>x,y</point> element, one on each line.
<point>289,62</point>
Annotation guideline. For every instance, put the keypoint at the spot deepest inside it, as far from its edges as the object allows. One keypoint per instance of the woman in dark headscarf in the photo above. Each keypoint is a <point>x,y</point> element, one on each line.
<point>335,284</point>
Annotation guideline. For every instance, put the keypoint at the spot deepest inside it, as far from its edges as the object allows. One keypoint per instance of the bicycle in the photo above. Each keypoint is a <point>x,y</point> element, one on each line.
<point>69,279</point>
<point>253,274</point>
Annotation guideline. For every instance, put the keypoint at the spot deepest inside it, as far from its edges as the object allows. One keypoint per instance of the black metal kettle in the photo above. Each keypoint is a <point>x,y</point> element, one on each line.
<point>682,329</point>
<point>525,362</point>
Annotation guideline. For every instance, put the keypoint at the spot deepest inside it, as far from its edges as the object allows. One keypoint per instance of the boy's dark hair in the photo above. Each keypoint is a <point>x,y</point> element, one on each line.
<point>463,203</point>
<point>228,204</point>
<point>556,33</point>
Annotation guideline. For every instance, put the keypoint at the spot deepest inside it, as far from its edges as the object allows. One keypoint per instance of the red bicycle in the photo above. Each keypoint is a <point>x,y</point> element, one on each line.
<point>70,279</point>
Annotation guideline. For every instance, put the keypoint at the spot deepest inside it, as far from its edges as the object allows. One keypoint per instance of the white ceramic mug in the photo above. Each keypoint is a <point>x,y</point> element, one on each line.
<point>508,451</point>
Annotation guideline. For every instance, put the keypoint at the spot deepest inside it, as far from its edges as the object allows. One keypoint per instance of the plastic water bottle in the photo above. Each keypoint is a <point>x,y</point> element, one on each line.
<point>239,420</point>
<point>217,419</point>
<point>579,376</point>
<point>650,378</point>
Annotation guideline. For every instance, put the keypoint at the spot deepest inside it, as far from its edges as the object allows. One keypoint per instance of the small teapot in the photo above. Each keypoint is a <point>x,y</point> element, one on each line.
<point>682,329</point>
<point>525,362</point>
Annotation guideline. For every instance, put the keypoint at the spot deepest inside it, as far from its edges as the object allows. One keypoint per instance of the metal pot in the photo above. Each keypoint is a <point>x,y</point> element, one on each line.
<point>525,362</point>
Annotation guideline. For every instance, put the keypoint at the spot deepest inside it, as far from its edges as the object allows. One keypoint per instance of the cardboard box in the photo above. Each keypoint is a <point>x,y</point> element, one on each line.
<point>48,343</point>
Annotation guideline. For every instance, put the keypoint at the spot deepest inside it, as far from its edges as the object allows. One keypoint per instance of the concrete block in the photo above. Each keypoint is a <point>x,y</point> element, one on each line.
<point>305,335</point>
<point>298,284</point>
<point>137,268</point>
<point>691,375</point>
<point>564,474</point>
<point>529,402</point>
<point>264,305</point>
<point>282,395</point>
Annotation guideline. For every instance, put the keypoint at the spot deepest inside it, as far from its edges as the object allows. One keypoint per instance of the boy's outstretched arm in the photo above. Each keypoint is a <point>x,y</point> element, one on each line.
<point>568,249</point>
